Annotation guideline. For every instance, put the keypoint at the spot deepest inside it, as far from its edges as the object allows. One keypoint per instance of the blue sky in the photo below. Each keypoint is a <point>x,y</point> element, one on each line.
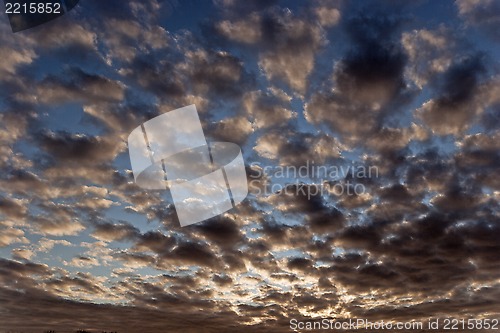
<point>408,88</point>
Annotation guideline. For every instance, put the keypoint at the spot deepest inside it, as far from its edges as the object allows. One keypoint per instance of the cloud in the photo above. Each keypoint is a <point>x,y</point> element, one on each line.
<point>217,72</point>
<point>56,219</point>
<point>243,31</point>
<point>390,139</point>
<point>66,147</point>
<point>10,235</point>
<point>288,43</point>
<point>294,43</point>
<point>45,244</point>
<point>56,227</point>
<point>83,262</point>
<point>22,253</point>
<point>12,59</point>
<point>298,149</point>
<point>65,35</point>
<point>195,75</point>
<point>15,53</point>
<point>77,85</point>
<point>327,13</point>
<point>368,82</point>
<point>483,13</point>
<point>126,39</point>
<point>430,52</point>
<point>415,99</point>
<point>268,109</point>
<point>108,232</point>
<point>190,253</point>
<point>238,7</point>
<point>12,208</point>
<point>459,101</point>
<point>236,129</point>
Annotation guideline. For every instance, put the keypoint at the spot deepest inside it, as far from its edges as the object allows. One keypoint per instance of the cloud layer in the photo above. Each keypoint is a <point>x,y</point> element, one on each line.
<point>325,84</point>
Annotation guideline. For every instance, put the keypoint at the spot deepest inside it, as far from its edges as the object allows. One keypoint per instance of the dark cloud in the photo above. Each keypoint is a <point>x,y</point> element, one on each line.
<point>115,232</point>
<point>13,208</point>
<point>458,102</point>
<point>302,264</point>
<point>190,75</point>
<point>368,82</point>
<point>217,72</point>
<point>66,147</point>
<point>491,120</point>
<point>222,280</point>
<point>191,253</point>
<point>238,7</point>
<point>23,182</point>
<point>51,313</point>
<point>223,232</point>
<point>77,85</point>
<point>151,74</point>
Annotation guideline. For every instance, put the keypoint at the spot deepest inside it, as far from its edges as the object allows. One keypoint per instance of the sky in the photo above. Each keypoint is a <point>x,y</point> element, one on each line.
<point>370,132</point>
